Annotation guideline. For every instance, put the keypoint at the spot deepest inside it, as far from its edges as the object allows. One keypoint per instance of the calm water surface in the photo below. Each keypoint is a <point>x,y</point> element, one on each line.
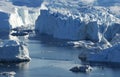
<point>49,60</point>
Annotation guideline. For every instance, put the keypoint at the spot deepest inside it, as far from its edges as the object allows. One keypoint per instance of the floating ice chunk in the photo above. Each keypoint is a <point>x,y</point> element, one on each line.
<point>13,51</point>
<point>109,55</point>
<point>8,74</point>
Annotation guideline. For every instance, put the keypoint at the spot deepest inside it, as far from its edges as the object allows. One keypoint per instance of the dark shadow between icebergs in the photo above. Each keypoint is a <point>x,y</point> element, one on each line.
<point>50,40</point>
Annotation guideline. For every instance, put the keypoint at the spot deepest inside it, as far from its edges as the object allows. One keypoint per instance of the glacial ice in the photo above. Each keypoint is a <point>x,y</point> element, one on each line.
<point>13,51</point>
<point>23,17</point>
<point>80,20</point>
<point>4,24</point>
<point>19,15</point>
<point>109,55</point>
<point>93,25</point>
<point>84,27</point>
<point>8,74</point>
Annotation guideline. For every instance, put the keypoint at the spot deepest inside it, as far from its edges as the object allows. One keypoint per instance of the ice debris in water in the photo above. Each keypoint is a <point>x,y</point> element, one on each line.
<point>7,74</point>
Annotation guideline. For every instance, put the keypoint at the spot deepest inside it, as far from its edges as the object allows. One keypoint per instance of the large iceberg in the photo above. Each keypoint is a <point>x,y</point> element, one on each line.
<point>77,22</point>
<point>17,16</point>
<point>74,20</point>
<point>13,51</point>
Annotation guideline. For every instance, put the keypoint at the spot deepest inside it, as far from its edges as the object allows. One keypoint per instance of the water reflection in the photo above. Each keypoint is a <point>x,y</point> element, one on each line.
<point>18,68</point>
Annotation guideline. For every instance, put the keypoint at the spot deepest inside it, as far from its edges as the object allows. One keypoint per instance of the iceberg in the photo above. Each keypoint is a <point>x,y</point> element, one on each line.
<point>91,24</point>
<point>13,51</point>
<point>17,16</point>
<point>84,22</point>
<point>66,27</point>
<point>109,55</point>
<point>23,17</point>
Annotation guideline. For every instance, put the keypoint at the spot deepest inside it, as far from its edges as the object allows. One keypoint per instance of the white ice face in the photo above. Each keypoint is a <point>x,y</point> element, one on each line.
<point>77,20</point>
<point>19,15</point>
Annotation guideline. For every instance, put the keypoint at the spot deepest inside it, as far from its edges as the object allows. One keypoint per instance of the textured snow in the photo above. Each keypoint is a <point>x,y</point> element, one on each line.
<point>13,51</point>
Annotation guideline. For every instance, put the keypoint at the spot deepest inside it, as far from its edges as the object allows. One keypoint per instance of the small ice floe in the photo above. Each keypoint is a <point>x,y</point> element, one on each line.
<point>7,74</point>
<point>21,31</point>
<point>83,68</point>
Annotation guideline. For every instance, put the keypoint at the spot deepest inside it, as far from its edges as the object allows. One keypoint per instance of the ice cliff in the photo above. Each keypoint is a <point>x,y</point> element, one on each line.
<point>78,21</point>
<point>18,15</point>
<point>23,17</point>
<point>74,20</point>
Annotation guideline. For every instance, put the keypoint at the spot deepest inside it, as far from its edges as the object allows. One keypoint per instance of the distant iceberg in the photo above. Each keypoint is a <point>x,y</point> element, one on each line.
<point>13,51</point>
<point>109,55</point>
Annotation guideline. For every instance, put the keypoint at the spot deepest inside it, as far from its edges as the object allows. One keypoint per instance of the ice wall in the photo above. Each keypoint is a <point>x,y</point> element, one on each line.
<point>16,16</point>
<point>23,17</point>
<point>65,28</point>
<point>83,27</point>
